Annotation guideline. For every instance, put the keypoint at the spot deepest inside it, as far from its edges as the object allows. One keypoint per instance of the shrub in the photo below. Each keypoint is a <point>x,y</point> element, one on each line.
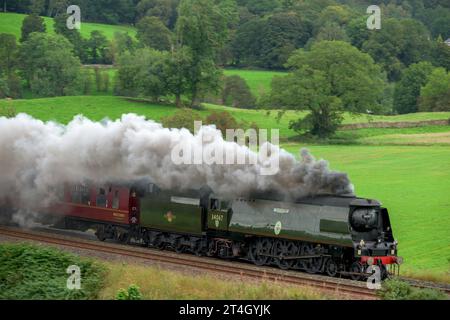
<point>222,120</point>
<point>8,112</point>
<point>184,118</point>
<point>236,93</point>
<point>132,293</point>
<point>395,289</point>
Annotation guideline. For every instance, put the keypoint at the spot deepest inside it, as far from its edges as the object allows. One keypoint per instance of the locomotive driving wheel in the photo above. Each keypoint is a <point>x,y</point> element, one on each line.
<point>331,267</point>
<point>282,249</point>
<point>356,270</point>
<point>259,251</point>
<point>310,265</point>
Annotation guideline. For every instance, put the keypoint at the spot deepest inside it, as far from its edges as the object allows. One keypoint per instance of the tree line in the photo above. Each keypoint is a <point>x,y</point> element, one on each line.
<point>334,63</point>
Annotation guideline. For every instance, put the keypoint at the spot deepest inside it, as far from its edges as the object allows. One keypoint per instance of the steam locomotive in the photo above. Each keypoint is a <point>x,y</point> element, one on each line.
<point>333,235</point>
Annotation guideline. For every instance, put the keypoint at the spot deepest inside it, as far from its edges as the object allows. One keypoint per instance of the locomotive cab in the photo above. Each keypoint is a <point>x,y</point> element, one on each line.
<point>371,233</point>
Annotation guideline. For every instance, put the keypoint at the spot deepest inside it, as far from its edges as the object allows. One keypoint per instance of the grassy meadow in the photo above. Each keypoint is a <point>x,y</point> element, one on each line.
<point>12,23</point>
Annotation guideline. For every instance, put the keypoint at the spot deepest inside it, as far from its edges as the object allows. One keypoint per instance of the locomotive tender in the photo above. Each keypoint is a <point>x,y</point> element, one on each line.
<point>335,235</point>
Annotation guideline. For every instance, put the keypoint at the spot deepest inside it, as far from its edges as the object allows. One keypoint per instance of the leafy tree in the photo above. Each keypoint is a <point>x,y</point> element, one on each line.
<point>330,78</point>
<point>177,78</point>
<point>268,42</point>
<point>30,24</point>
<point>80,45</point>
<point>202,27</point>
<point>398,44</point>
<point>236,93</point>
<point>435,95</point>
<point>357,31</point>
<point>440,55</point>
<point>49,66</point>
<point>407,90</point>
<point>98,48</point>
<point>164,10</point>
<point>8,53</point>
<point>153,33</point>
<point>143,73</point>
<point>121,43</point>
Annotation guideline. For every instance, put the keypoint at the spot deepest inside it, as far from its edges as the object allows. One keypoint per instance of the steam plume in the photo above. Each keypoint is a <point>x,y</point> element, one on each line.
<point>37,157</point>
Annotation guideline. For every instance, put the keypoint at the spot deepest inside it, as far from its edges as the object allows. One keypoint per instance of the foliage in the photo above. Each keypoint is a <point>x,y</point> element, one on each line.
<point>8,112</point>
<point>30,24</point>
<point>398,44</point>
<point>164,10</point>
<point>395,289</point>
<point>407,90</point>
<point>80,45</point>
<point>435,95</point>
<point>153,33</point>
<point>236,93</point>
<point>184,118</point>
<point>268,42</point>
<point>132,293</point>
<point>98,49</point>
<point>48,65</point>
<point>202,27</point>
<point>330,78</point>
<point>35,272</point>
<point>8,53</point>
<point>222,120</point>
<point>143,74</point>
<point>121,43</point>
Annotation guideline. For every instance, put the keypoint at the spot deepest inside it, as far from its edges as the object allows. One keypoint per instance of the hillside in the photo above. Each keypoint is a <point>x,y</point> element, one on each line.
<point>12,23</point>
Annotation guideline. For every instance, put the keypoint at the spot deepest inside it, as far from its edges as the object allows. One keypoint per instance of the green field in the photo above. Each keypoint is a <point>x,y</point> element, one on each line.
<point>258,81</point>
<point>63,109</point>
<point>12,23</point>
<point>413,182</point>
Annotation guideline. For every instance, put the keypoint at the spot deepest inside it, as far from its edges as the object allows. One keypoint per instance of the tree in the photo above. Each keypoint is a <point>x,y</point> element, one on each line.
<point>236,93</point>
<point>143,73</point>
<point>268,42</point>
<point>435,95</point>
<point>151,32</point>
<point>8,53</point>
<point>440,55</point>
<point>48,65</point>
<point>32,23</point>
<point>202,27</point>
<point>398,44</point>
<point>407,90</point>
<point>80,45</point>
<point>330,78</point>
<point>98,48</point>
<point>164,10</point>
<point>121,43</point>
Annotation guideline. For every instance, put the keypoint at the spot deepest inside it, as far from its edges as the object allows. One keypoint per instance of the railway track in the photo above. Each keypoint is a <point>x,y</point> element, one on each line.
<point>342,287</point>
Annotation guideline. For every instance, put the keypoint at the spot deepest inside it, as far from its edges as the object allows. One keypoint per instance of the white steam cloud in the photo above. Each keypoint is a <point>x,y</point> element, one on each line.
<point>36,157</point>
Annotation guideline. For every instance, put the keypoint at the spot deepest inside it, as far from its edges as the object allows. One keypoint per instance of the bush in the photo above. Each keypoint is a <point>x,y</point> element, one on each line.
<point>184,118</point>
<point>132,293</point>
<point>236,93</point>
<point>395,289</point>
<point>36,272</point>
<point>8,112</point>
<point>222,120</point>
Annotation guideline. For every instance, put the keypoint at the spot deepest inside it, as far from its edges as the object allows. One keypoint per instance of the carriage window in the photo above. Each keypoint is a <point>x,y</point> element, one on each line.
<point>80,194</point>
<point>115,203</point>
<point>101,198</point>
